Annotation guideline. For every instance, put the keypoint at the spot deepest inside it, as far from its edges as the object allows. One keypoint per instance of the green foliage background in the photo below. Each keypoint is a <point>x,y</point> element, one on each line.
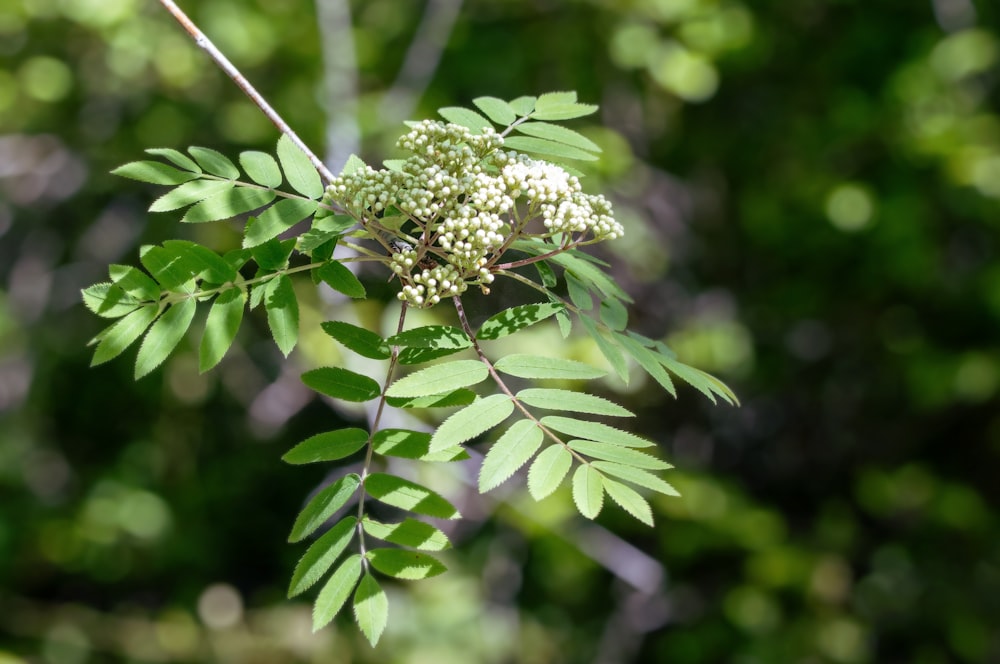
<point>810,191</point>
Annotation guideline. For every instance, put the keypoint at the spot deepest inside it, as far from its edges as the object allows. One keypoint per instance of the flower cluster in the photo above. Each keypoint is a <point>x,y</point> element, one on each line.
<point>458,199</point>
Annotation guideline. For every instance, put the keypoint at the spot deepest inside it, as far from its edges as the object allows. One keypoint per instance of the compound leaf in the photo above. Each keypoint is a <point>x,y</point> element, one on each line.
<point>460,397</point>
<point>178,158</point>
<point>637,476</point>
<point>547,148</point>
<point>648,361</point>
<point>558,134</point>
<point>153,172</point>
<point>189,193</point>
<point>276,220</point>
<point>465,117</point>
<point>134,282</point>
<point>320,556</point>
<point>228,204</point>
<point>496,110</point>
<point>611,352</point>
<point>109,300</point>
<point>408,444</point>
<point>432,336</point>
<point>523,105</point>
<point>618,454</point>
<point>323,505</point>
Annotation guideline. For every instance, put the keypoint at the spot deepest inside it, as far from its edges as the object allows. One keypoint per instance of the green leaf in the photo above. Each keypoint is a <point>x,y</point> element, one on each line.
<point>638,476</point>
<point>336,591</point>
<point>523,105</point>
<point>629,500</point>
<point>109,301</point>
<point>410,496</point>
<point>648,361</point>
<point>277,219</point>
<point>122,334</point>
<point>176,157</point>
<point>576,402</point>
<point>170,267</point>
<point>706,384</point>
<point>352,165</point>
<point>578,293</point>
<point>221,327</point>
<point>328,446</point>
<point>189,193</point>
<point>323,505</point>
<point>134,282</point>
<point>408,444</point>
<point>164,336</point>
<point>410,532</point>
<point>153,172</point>
<point>407,565</point>
<point>548,471</point>
<point>336,275</point>
<point>202,261</point>
<point>273,254</point>
<point>559,97</point>
<point>611,352</point>
<point>341,384</point>
<point>261,167</point>
<point>320,556</point>
<point>594,431</point>
<point>465,117</point>
<point>299,171</point>
<point>536,366</point>
<point>439,378</point>
<point>588,491</point>
<point>476,418</point>
<point>324,231</point>
<point>514,449</point>
<point>282,313</point>
<point>546,148</point>
<point>496,110</point>
<point>517,318</point>
<point>432,336</point>
<point>228,204</point>
<point>362,341</point>
<point>214,162</point>
<point>371,609</point>
<point>558,134</point>
<point>614,314</point>
<point>547,274</point>
<point>412,356</point>
<point>560,106</point>
<point>459,397</point>
<point>590,274</point>
<point>565,324</point>
<point>618,454</point>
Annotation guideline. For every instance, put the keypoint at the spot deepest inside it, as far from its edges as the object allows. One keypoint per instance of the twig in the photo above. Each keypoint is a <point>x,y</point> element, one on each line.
<point>223,62</point>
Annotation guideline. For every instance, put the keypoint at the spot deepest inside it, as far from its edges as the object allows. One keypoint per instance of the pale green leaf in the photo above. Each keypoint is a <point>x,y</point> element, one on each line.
<point>637,476</point>
<point>577,402</point>
<point>328,446</point>
<point>473,121</point>
<point>321,555</point>
<point>410,496</point>
<point>548,471</point>
<point>341,384</point>
<point>496,110</point>
<point>214,162</point>
<point>223,323</point>
<point>578,293</point>
<point>352,165</point>
<point>439,378</point>
<point>410,356</point>
<point>460,397</point>
<point>614,314</point>
<point>408,444</point>
<point>134,282</point>
<point>559,106</point>
<point>362,341</point>
<point>153,172</point>
<point>277,219</point>
<point>523,105</point>
<point>476,418</point>
<point>336,591</point>
<point>618,454</point>
<point>189,193</point>
<point>176,157</point>
<point>537,366</point>
<point>228,204</point>
<point>547,148</point>
<point>261,167</point>
<point>559,134</point>
<point>164,336</point>
<point>371,609</point>
<point>323,505</point>
<point>516,318</point>
<point>299,170</point>
<point>431,336</point>
<point>629,500</point>
<point>282,313</point>
<point>611,352</point>
<point>122,334</point>
<point>590,274</point>
<point>336,275</point>
<point>565,324</point>
<point>109,301</point>
<point>558,97</point>
<point>594,431</point>
<point>648,361</point>
<point>588,491</point>
<point>406,565</point>
<point>511,451</point>
<point>410,532</point>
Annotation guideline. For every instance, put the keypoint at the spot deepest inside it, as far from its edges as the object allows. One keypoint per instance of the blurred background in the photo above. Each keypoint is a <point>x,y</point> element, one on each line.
<point>810,190</point>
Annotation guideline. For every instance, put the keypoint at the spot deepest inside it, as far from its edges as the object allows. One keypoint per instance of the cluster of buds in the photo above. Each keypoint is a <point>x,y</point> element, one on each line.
<point>458,199</point>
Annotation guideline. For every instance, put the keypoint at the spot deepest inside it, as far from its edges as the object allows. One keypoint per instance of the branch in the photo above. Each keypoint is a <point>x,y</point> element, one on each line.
<point>230,69</point>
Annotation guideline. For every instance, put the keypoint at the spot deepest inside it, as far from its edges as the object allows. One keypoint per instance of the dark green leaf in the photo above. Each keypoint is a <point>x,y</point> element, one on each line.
<point>439,378</point>
<point>336,275</point>
<point>261,167</point>
<point>323,505</point>
<point>576,402</point>
<point>537,366</point>
<point>299,171</point>
<point>122,334</point>
<point>513,449</point>
<point>547,148</point>
<point>273,254</point>
<point>594,431</point>
<point>516,318</point>
<point>618,454</point>
<point>328,446</point>
<point>188,193</point>
<point>277,219</point>
<point>341,384</point>
<point>410,532</point>
<point>465,117</point>
<point>362,341</point>
<point>706,384</point>
<point>214,162</point>
<point>371,609</point>
<point>410,496</point>
<point>221,327</point>
<point>557,133</point>
<point>413,445</point>
<point>431,336</point>
<point>170,268</point>
<point>282,313</point>
<point>154,172</point>
<point>228,204</point>
<point>164,336</point>
<point>320,555</point>
<point>407,565</point>
<point>336,591</point>
<point>476,418</point>
<point>588,491</point>
<point>548,471</point>
<point>496,110</point>
<point>547,274</point>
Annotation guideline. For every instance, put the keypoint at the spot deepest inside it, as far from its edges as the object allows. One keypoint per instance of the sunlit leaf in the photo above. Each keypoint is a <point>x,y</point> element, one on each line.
<point>473,121</point>
<point>189,193</point>
<point>223,323</point>
<point>328,446</point>
<point>299,170</point>
<point>341,384</point>
<point>547,148</point>
<point>611,352</point>
<point>460,397</point>
<point>548,471</point>
<point>276,220</point>
<point>588,491</point>
<point>153,172</point>
<point>408,444</point>
<point>323,505</point>
<point>618,454</point>
<point>334,594</point>
<point>169,267</point>
<point>594,431</point>
<point>273,254</point>
<point>409,532</point>
<point>371,609</point>
<point>321,555</point>
<point>109,301</point>
<point>407,495</point>
<point>214,162</point>
<point>282,313</point>
<point>338,277</point>
<point>496,110</point>
<point>577,402</point>
<point>203,262</point>
<point>511,451</point>
<point>431,336</point>
<point>228,204</point>
<point>122,334</point>
<point>178,158</point>
<point>134,282</point>
<point>261,167</point>
<point>164,336</point>
<point>637,476</point>
<point>516,318</point>
<point>439,378</point>
<point>411,356</point>
<point>523,105</point>
<point>537,366</point>
<point>362,341</point>
<point>629,500</point>
<point>559,134</point>
<point>476,418</point>
<point>407,565</point>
